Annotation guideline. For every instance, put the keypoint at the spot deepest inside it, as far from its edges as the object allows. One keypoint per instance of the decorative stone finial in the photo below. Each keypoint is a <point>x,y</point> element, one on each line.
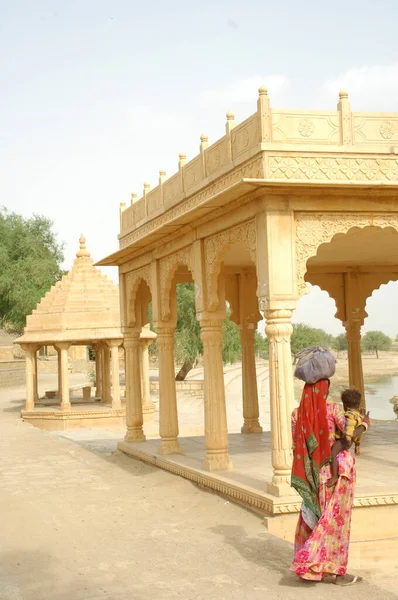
<point>182,156</point>
<point>230,116</point>
<point>83,250</point>
<point>147,185</point>
<point>343,94</point>
<point>162,173</point>
<point>204,138</point>
<point>134,197</point>
<point>263,91</point>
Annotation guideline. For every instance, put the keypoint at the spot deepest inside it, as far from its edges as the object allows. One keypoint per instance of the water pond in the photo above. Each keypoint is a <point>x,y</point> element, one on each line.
<point>378,395</point>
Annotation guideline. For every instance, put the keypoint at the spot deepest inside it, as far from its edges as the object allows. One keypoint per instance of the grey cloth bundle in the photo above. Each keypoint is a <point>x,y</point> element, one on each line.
<point>315,363</point>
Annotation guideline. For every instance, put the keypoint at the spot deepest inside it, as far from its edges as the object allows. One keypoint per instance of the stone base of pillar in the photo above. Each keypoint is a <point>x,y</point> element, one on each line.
<point>251,426</point>
<point>134,435</point>
<point>170,447</point>
<point>217,461</point>
<point>281,487</point>
<point>65,406</point>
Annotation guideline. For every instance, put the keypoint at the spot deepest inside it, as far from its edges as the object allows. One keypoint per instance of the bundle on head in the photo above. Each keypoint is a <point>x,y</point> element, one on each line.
<point>315,363</point>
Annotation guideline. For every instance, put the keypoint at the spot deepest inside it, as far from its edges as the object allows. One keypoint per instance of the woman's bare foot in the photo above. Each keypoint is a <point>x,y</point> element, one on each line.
<point>332,481</point>
<point>347,579</point>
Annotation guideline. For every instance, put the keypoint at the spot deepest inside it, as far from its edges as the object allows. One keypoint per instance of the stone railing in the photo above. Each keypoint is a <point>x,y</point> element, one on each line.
<point>340,131</point>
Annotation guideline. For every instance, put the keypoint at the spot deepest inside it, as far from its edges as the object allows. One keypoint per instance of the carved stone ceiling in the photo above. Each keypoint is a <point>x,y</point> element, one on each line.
<point>368,246</point>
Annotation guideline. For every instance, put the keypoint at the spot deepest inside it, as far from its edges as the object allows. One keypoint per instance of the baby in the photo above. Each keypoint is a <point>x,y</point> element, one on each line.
<point>353,418</point>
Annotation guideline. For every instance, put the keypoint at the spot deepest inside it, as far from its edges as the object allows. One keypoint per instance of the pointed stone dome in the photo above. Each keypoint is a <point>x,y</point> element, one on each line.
<point>82,307</point>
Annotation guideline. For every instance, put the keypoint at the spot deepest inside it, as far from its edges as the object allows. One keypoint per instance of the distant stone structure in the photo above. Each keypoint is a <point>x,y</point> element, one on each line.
<point>81,309</point>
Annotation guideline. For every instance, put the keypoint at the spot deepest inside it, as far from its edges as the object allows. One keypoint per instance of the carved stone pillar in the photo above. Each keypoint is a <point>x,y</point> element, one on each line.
<point>59,374</point>
<point>353,332</point>
<point>63,375</point>
<point>251,411</point>
<point>115,394</point>
<point>134,418</point>
<point>30,377</point>
<point>98,370</point>
<point>168,418</point>
<point>106,374</point>
<point>147,405</point>
<point>35,373</point>
<point>279,330</point>
<point>216,431</point>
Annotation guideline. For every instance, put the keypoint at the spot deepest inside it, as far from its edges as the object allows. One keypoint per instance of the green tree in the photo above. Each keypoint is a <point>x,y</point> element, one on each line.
<point>304,336</point>
<point>30,263</point>
<point>187,345</point>
<point>374,341</point>
<point>231,348</point>
<point>261,345</point>
<point>340,343</point>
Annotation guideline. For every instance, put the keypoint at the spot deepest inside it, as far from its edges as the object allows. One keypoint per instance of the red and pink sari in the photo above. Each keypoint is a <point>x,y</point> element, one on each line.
<point>323,530</point>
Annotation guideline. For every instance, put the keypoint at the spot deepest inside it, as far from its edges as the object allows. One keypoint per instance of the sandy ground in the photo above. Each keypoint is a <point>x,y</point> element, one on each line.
<point>80,521</point>
<point>373,368</point>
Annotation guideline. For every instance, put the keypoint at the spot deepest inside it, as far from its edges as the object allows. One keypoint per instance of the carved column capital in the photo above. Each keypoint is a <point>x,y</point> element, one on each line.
<point>355,320</point>
<point>247,334</point>
<point>165,332</point>
<point>211,332</point>
<point>279,324</point>
<point>28,348</point>
<point>114,343</point>
<point>131,340</point>
<point>62,345</point>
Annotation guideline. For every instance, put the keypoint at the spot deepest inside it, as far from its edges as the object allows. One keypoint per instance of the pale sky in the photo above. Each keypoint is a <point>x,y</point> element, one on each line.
<point>97,96</point>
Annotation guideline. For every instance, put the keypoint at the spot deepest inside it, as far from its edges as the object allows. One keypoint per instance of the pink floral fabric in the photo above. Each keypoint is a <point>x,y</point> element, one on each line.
<point>324,550</point>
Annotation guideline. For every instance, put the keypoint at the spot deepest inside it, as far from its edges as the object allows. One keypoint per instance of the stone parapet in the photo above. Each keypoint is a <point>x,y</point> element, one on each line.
<point>271,145</point>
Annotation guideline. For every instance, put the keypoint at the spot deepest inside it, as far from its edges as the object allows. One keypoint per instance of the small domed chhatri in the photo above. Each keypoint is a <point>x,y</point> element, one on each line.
<point>79,310</point>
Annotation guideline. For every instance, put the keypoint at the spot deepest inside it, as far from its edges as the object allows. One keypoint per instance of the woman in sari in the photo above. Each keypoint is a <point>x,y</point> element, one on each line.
<point>323,530</point>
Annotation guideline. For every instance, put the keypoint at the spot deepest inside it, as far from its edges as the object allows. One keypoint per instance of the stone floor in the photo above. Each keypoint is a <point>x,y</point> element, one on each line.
<point>377,467</point>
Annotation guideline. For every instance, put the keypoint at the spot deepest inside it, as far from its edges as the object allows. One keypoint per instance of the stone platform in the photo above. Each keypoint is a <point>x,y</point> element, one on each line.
<point>81,415</point>
<point>376,503</point>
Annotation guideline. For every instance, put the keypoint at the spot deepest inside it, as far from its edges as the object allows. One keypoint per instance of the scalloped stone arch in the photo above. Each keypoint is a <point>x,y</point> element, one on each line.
<point>315,229</point>
<point>324,290</point>
<point>133,281</point>
<point>216,248</point>
<point>168,267</point>
<point>385,280</point>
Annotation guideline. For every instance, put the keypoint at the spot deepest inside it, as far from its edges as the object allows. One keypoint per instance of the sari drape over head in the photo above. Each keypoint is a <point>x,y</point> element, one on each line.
<point>312,446</point>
